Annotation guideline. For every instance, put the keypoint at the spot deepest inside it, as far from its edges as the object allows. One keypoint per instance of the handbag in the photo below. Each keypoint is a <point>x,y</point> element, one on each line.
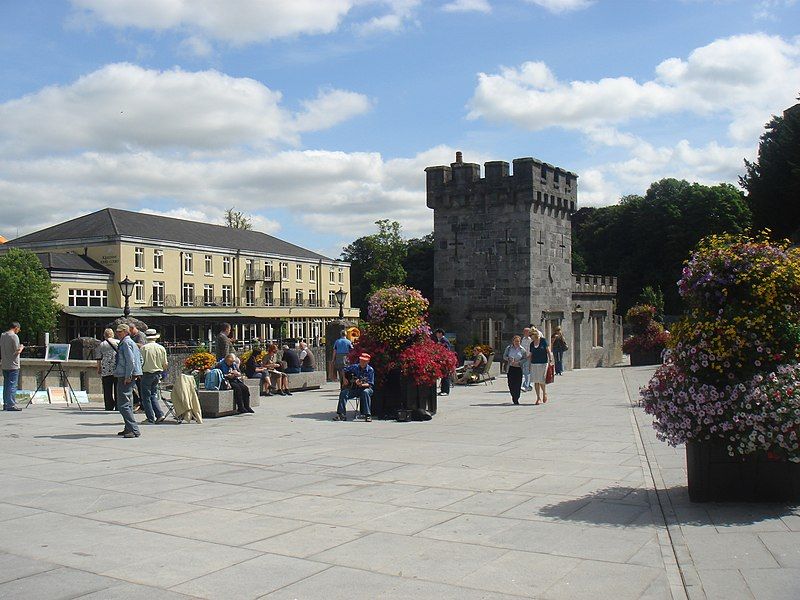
<point>550,376</point>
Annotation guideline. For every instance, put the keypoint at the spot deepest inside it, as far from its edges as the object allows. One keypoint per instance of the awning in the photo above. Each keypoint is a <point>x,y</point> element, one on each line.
<point>105,312</point>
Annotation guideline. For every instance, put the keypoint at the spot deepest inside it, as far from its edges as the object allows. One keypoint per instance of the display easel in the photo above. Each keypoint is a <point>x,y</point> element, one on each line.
<point>62,379</point>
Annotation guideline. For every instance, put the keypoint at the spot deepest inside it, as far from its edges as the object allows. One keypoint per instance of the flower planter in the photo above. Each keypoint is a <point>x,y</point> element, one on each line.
<point>640,359</point>
<point>401,393</point>
<point>715,476</point>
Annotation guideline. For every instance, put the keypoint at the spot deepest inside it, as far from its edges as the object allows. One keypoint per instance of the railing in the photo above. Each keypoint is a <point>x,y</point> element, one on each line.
<point>595,284</point>
<point>200,301</point>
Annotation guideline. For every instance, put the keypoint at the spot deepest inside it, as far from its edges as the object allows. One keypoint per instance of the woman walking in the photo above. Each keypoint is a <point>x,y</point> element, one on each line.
<point>515,355</point>
<point>541,357</point>
<point>559,345</point>
<point>106,355</point>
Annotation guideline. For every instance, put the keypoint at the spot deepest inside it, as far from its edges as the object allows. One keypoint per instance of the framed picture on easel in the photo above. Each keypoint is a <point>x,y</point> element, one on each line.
<point>57,353</point>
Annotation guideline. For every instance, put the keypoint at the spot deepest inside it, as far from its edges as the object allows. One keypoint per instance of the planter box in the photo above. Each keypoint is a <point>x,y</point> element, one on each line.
<point>640,359</point>
<point>715,476</point>
<point>216,403</point>
<point>401,394</point>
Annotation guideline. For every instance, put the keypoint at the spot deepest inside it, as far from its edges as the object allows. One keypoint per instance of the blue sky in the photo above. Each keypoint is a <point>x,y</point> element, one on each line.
<point>318,117</point>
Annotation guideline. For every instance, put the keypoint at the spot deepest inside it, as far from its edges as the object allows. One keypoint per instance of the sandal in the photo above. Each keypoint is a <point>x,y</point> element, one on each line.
<point>544,400</point>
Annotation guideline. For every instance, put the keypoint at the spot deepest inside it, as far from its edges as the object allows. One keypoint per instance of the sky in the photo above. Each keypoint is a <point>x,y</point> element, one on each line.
<point>318,117</point>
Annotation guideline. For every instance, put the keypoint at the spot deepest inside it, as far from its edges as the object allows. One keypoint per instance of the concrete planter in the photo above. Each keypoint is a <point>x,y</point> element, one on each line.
<point>715,476</point>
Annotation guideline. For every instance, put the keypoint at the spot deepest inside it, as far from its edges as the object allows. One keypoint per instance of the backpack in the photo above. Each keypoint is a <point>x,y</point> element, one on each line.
<point>214,379</point>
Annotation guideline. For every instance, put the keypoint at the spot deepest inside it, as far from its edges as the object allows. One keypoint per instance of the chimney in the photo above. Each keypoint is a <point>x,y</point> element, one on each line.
<point>459,159</point>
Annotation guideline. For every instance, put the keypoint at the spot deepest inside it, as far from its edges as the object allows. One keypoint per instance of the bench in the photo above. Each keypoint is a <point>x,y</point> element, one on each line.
<point>312,380</point>
<point>216,403</point>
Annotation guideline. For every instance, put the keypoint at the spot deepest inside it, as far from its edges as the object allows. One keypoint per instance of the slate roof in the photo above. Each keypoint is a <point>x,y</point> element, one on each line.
<point>69,261</point>
<point>113,223</point>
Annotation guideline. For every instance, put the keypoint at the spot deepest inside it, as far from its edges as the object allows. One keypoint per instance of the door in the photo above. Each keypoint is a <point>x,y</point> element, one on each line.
<point>576,342</point>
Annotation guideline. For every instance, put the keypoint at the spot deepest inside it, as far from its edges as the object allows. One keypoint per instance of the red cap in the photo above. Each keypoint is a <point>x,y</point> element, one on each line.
<point>364,356</point>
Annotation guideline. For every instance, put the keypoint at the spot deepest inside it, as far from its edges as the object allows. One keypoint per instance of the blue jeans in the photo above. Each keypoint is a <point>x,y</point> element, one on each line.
<point>558,355</point>
<point>10,381</point>
<point>526,373</point>
<point>364,394</point>
<point>150,396</point>
<point>125,404</point>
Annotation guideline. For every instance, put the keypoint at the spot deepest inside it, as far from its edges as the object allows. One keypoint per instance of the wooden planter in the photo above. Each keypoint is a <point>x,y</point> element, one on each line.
<point>399,393</point>
<point>640,359</point>
<point>715,476</point>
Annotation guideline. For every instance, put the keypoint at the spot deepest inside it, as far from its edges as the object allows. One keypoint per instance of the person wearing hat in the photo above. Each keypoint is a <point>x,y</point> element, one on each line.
<point>127,369</point>
<point>360,383</point>
<point>154,363</point>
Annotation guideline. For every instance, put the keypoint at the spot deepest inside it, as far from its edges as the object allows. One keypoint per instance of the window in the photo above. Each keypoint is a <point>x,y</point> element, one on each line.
<point>209,262</point>
<point>138,291</point>
<point>268,270</point>
<point>298,297</point>
<point>227,295</point>
<point>158,293</point>
<point>226,266</point>
<point>332,298</point>
<point>248,268</point>
<point>312,297</point>
<point>88,297</point>
<point>284,297</point>
<point>312,274</point>
<point>138,258</point>
<point>341,274</point>
<point>332,275</point>
<point>597,320</point>
<point>188,263</point>
<point>158,260</point>
<point>269,296</point>
<point>208,294</point>
<point>298,271</point>
<point>284,271</point>
<point>250,295</point>
<point>187,299</point>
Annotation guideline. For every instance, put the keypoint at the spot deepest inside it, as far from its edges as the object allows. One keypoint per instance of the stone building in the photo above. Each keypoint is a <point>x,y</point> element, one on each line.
<point>503,259</point>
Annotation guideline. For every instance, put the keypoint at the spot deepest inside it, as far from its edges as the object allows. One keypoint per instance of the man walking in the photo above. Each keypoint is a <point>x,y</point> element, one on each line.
<point>526,363</point>
<point>341,348</point>
<point>154,363</point>
<point>441,339</point>
<point>223,342</point>
<point>127,369</point>
<point>10,349</point>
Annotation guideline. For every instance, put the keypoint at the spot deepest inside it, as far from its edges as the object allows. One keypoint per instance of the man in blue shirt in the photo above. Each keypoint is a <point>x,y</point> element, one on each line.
<point>360,383</point>
<point>341,348</point>
<point>241,393</point>
<point>127,369</point>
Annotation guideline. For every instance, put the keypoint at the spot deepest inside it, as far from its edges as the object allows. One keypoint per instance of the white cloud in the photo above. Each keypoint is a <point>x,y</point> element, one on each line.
<point>215,216</point>
<point>124,107</point>
<point>737,77</point>
<point>400,12</point>
<point>197,46</point>
<point>562,6</point>
<point>468,6</point>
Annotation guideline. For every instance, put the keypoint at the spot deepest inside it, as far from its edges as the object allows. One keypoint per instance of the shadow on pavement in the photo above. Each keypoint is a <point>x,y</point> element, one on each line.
<point>625,506</point>
<point>77,436</point>
<point>508,404</point>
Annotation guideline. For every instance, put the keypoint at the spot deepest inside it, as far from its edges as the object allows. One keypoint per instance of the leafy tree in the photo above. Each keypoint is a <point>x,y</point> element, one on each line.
<point>26,294</point>
<point>644,240</point>
<point>375,261</point>
<point>237,219</point>
<point>418,264</point>
<point>773,181</point>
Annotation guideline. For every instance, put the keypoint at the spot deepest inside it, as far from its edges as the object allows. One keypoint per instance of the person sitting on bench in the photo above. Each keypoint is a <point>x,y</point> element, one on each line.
<point>471,373</point>
<point>241,393</point>
<point>360,381</point>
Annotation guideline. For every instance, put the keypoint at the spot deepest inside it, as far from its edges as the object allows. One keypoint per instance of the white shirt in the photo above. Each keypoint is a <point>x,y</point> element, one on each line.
<point>526,343</point>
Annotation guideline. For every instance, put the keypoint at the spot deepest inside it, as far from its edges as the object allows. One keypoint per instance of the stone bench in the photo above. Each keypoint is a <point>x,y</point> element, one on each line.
<point>311,380</point>
<point>216,403</point>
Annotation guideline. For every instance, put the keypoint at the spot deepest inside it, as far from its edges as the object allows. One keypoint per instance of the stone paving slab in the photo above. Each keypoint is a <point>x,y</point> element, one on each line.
<point>486,501</point>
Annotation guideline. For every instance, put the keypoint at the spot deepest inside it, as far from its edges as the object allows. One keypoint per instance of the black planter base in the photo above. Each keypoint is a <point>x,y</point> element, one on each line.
<point>714,476</point>
<point>400,397</point>
<point>640,359</point>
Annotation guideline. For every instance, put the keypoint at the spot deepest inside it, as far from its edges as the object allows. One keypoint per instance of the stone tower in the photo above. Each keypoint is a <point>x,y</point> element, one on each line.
<point>503,247</point>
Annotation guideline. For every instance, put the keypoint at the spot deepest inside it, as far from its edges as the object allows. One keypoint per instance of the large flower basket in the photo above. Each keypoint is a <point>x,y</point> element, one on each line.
<point>715,476</point>
<point>400,396</point>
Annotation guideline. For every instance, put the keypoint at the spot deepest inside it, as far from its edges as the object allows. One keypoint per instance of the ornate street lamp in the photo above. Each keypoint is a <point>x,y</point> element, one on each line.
<point>340,296</point>
<point>126,287</point>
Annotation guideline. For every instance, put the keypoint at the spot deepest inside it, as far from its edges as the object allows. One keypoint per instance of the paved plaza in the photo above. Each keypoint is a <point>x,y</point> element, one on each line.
<point>573,499</point>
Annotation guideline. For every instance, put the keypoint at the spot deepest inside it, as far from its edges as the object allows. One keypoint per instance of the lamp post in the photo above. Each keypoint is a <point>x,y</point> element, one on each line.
<point>126,287</point>
<point>340,297</point>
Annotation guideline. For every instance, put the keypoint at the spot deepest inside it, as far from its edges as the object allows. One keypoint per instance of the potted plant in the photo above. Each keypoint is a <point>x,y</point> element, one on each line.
<point>729,388</point>
<point>406,360</point>
<point>649,337</point>
<point>199,362</point>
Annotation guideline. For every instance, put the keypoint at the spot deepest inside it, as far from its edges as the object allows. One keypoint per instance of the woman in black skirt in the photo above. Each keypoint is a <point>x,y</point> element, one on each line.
<point>514,355</point>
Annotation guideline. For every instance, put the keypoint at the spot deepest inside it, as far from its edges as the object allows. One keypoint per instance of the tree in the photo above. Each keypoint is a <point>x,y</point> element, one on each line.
<point>773,181</point>
<point>644,240</point>
<point>418,265</point>
<point>26,294</point>
<point>237,219</point>
<point>376,261</point>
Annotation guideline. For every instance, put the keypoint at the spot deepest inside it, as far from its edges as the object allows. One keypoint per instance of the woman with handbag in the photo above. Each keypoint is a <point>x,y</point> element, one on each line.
<point>541,360</point>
